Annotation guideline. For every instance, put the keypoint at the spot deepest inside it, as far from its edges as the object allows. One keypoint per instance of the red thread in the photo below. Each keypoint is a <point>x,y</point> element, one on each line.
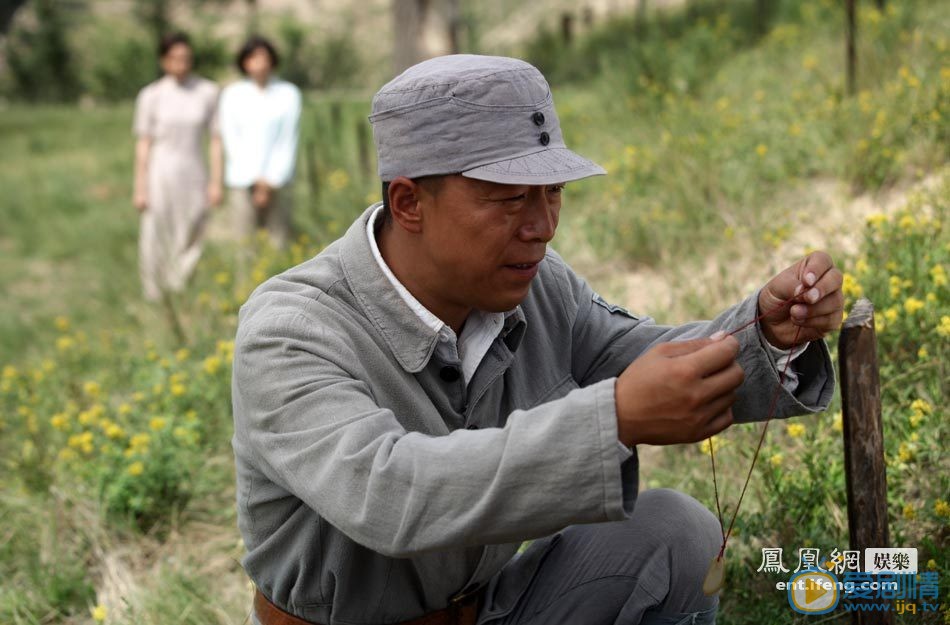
<point>774,402</point>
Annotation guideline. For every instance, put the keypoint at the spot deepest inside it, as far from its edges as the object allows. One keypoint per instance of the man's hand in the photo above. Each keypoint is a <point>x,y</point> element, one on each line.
<point>819,305</point>
<point>679,392</point>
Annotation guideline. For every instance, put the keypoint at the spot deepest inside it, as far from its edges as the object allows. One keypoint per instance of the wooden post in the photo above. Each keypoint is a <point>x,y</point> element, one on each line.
<point>567,28</point>
<point>851,27</point>
<point>863,440</point>
<point>364,146</point>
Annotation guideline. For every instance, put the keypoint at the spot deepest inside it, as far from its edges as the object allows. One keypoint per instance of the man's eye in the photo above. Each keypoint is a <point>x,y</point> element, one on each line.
<point>556,188</point>
<point>516,198</point>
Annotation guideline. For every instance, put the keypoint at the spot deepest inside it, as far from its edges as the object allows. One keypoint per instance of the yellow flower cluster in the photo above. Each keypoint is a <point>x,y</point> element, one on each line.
<point>850,286</point>
<point>795,430</point>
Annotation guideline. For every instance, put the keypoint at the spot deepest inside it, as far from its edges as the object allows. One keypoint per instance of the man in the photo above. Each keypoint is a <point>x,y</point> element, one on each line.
<point>437,386</point>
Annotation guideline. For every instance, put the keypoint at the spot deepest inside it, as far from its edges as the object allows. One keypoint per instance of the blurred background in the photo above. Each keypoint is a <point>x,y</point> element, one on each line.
<point>738,135</point>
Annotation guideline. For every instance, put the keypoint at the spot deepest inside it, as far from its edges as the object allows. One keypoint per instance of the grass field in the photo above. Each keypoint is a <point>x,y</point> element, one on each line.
<point>730,153</point>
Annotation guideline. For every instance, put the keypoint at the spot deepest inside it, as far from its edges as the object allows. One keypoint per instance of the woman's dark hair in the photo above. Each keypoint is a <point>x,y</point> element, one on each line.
<point>170,40</point>
<point>253,44</point>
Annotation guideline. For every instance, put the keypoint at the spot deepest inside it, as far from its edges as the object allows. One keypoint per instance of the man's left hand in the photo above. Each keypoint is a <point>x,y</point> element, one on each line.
<point>815,283</point>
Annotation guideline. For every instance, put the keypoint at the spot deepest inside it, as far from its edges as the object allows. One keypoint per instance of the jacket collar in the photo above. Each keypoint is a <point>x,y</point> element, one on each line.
<point>409,338</point>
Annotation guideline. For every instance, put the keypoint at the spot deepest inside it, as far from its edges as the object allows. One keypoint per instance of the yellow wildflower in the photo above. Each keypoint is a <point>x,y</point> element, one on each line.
<point>125,409</point>
<point>139,442</point>
<point>776,460</point>
<point>922,353</point>
<point>157,423</point>
<point>222,278</point>
<point>907,222</point>
<point>65,343</point>
<point>182,354</point>
<point>850,286</point>
<point>178,390</point>
<point>138,396</point>
<point>212,364</point>
<point>905,453</point>
<point>915,419</point>
<point>338,180</point>
<point>876,219</point>
<point>61,323</point>
<point>66,454</point>
<point>59,421</point>
<point>795,430</point>
<point>761,149</point>
<point>942,508</point>
<point>931,564</point>
<point>943,329</point>
<point>9,372</point>
<point>912,305</point>
<point>921,406</point>
<point>891,314</point>
<point>939,275</point>
<point>92,389</point>
<point>114,431</point>
<point>136,468</point>
<point>837,424</point>
<point>909,512</point>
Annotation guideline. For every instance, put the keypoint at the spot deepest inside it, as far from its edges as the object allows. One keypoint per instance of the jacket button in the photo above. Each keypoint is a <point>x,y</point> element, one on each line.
<point>449,374</point>
<point>545,138</point>
<point>538,118</point>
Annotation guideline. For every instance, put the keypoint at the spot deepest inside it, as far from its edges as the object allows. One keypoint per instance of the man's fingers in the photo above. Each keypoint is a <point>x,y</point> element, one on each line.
<point>724,381</point>
<point>831,303</point>
<point>823,323</point>
<point>815,266</point>
<point>719,423</point>
<point>674,349</point>
<point>714,356</point>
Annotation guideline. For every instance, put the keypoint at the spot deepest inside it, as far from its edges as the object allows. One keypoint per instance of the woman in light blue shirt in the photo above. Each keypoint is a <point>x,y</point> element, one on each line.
<point>259,119</point>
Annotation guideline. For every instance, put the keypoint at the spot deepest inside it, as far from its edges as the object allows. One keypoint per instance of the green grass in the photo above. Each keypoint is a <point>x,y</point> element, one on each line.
<point>716,136</point>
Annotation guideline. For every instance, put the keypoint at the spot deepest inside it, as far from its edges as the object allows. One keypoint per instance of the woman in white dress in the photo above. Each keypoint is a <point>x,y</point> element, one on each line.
<point>172,190</point>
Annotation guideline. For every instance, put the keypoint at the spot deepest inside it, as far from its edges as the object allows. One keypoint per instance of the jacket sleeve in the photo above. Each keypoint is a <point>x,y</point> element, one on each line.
<point>607,338</point>
<point>305,416</point>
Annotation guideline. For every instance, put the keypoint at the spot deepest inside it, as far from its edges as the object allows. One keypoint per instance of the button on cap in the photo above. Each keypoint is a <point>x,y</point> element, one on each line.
<point>449,374</point>
<point>538,118</point>
<point>545,138</point>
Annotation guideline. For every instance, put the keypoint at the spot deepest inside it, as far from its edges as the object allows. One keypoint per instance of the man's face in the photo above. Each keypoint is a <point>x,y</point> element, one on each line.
<point>485,239</point>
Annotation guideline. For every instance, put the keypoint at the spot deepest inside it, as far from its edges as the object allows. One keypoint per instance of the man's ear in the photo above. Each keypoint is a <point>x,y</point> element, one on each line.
<point>404,196</point>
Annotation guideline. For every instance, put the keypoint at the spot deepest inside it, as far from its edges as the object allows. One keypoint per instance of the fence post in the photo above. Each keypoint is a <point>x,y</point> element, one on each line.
<point>850,49</point>
<point>863,440</point>
<point>567,28</point>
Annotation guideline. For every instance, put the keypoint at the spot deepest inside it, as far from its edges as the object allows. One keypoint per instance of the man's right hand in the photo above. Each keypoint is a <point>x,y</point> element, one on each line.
<point>678,392</point>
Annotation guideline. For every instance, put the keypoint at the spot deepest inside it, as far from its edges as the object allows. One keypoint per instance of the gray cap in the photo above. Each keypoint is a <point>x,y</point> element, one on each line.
<point>485,117</point>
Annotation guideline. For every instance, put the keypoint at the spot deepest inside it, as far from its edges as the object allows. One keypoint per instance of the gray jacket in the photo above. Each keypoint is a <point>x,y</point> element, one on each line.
<point>372,485</point>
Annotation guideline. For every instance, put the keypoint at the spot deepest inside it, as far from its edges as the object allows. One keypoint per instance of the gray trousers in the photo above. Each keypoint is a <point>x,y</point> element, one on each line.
<point>647,570</point>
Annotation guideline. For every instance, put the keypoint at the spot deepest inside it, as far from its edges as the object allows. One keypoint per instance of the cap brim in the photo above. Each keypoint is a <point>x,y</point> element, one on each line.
<point>549,166</point>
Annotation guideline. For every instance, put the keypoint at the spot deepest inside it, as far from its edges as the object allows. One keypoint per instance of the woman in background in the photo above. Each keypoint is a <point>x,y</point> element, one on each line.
<point>173,191</point>
<point>260,118</point>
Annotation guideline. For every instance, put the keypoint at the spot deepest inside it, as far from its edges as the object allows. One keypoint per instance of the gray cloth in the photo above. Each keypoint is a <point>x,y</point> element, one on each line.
<point>373,485</point>
<point>648,569</point>
<point>486,117</point>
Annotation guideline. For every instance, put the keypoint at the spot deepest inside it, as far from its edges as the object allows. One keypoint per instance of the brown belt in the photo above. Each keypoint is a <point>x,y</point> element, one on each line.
<point>463,610</point>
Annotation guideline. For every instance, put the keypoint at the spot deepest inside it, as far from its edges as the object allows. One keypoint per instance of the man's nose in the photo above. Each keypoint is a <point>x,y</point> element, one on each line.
<point>540,217</point>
